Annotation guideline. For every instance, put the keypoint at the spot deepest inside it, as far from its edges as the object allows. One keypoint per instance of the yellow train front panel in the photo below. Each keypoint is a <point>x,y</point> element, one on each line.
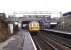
<point>34,27</point>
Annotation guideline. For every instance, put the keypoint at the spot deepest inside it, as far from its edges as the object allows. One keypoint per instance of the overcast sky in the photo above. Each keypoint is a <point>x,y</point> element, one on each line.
<point>10,6</point>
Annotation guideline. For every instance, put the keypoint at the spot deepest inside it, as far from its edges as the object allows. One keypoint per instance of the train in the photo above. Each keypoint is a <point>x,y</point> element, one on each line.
<point>34,27</point>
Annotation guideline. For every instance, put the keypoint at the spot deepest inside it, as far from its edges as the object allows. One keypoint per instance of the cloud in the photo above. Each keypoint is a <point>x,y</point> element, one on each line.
<point>10,6</point>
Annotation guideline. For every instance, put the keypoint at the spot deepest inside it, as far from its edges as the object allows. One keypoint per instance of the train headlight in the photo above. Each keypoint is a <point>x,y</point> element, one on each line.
<point>16,23</point>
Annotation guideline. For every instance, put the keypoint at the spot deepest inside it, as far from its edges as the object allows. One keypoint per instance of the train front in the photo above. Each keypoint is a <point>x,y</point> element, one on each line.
<point>34,27</point>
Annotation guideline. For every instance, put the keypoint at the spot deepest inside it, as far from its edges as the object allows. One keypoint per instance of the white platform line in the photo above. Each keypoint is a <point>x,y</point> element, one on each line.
<point>33,43</point>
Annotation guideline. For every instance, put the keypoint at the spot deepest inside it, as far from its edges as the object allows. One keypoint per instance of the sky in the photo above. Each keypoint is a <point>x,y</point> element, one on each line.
<point>10,6</point>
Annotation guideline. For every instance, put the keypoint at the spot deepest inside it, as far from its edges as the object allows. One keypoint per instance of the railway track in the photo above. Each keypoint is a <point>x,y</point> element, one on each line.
<point>47,41</point>
<point>42,45</point>
<point>63,41</point>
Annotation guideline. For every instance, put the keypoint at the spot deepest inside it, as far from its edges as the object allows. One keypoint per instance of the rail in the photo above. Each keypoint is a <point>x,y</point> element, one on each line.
<point>50,41</point>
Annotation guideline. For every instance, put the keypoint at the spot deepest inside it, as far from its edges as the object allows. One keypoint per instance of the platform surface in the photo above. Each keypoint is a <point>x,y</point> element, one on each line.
<point>21,41</point>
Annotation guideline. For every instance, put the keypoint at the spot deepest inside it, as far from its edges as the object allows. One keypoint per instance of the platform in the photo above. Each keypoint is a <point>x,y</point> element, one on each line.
<point>21,41</point>
<point>57,31</point>
<point>28,42</point>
